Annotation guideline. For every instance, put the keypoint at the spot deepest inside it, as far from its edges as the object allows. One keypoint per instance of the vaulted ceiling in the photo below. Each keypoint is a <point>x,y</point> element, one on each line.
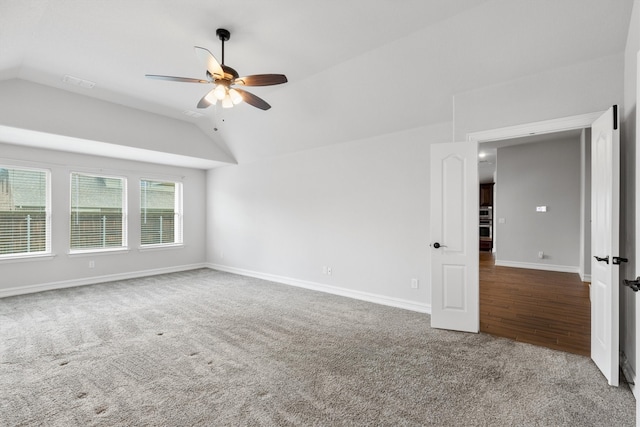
<point>356,68</point>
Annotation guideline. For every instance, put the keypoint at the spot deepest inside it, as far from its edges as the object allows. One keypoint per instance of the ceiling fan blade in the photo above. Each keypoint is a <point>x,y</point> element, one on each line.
<point>210,61</point>
<point>176,79</point>
<point>204,102</point>
<point>261,80</point>
<point>251,99</point>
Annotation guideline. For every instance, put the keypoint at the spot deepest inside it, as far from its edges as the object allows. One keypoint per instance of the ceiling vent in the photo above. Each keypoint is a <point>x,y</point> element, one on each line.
<point>192,114</point>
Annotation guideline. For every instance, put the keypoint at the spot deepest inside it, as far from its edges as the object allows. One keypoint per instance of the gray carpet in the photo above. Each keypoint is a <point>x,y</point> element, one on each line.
<point>212,349</point>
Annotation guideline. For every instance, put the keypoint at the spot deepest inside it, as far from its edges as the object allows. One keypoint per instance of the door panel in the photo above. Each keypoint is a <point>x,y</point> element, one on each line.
<point>454,287</point>
<point>605,219</point>
<point>454,226</point>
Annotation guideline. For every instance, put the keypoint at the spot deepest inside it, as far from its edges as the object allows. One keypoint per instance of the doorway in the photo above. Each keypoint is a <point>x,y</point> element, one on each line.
<point>525,301</point>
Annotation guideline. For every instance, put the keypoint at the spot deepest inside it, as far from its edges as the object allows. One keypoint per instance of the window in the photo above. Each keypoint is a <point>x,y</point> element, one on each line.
<point>98,212</point>
<point>160,213</point>
<point>24,212</point>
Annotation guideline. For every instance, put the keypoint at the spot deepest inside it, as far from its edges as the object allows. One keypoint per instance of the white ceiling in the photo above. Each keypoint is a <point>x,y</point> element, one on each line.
<point>356,68</point>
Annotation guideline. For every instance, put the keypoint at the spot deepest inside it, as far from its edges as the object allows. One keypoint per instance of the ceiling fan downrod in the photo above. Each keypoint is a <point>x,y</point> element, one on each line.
<point>223,35</point>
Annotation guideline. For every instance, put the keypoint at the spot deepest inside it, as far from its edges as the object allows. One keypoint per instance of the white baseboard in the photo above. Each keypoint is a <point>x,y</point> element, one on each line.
<point>335,290</point>
<point>29,289</point>
<point>537,266</point>
<point>585,277</point>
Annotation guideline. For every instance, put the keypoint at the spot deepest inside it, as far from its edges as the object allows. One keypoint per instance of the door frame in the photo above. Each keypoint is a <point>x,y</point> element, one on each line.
<point>535,128</point>
<point>581,121</point>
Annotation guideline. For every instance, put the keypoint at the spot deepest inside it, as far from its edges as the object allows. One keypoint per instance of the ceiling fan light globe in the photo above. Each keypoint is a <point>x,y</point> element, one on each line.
<point>235,96</point>
<point>220,92</point>
<point>211,98</point>
<point>226,102</point>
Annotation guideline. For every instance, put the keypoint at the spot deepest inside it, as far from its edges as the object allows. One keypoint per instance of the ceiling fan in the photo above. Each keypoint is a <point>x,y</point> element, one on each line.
<point>224,77</point>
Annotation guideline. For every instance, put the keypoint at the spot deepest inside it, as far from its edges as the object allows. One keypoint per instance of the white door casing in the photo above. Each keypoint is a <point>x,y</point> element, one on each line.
<point>605,226</point>
<point>454,228</point>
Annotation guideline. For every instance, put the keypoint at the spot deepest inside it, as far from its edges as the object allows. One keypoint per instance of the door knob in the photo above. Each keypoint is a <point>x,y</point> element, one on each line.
<point>600,259</point>
<point>438,245</point>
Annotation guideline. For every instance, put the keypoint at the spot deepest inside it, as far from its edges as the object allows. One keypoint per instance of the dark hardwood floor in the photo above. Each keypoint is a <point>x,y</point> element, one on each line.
<point>544,308</point>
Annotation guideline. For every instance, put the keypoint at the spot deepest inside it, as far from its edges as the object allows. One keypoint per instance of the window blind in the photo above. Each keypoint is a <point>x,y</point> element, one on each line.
<point>97,212</point>
<point>24,211</point>
<point>160,212</point>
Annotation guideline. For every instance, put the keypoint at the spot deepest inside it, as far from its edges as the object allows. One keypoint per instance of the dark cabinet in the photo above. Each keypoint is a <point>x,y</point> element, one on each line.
<point>486,194</point>
<point>486,217</point>
<point>486,244</point>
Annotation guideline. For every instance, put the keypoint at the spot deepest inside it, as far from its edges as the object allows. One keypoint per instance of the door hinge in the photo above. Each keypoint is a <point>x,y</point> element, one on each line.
<point>615,117</point>
<point>618,260</point>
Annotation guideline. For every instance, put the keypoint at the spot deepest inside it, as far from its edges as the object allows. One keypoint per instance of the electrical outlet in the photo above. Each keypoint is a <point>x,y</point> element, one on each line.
<point>541,255</point>
<point>329,271</point>
<point>92,264</point>
<point>414,283</point>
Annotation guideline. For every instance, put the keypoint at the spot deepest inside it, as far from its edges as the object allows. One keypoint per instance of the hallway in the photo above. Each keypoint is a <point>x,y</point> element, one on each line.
<point>544,308</point>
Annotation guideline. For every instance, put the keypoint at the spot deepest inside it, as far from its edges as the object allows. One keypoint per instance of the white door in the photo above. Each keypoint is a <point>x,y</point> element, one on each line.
<point>605,223</point>
<point>637,240</point>
<point>454,236</point>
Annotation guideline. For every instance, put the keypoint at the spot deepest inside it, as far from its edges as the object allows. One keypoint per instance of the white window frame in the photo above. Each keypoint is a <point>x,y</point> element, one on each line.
<point>125,238</point>
<point>47,251</point>
<point>178,224</point>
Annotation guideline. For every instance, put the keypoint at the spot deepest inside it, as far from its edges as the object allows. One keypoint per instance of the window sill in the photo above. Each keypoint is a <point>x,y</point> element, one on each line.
<point>26,258</point>
<point>93,252</point>
<point>147,248</point>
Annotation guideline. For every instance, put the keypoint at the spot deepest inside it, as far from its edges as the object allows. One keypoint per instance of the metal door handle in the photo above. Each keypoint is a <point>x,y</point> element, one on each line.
<point>633,284</point>
<point>438,245</point>
<point>605,259</point>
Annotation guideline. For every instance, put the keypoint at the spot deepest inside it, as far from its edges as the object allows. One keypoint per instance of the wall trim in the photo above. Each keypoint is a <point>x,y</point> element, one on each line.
<point>334,290</point>
<point>537,266</point>
<point>585,278</point>
<point>580,121</point>
<point>29,289</point>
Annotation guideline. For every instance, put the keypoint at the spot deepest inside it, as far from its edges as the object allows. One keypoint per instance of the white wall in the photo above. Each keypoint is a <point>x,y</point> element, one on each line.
<point>539,174</point>
<point>360,208</point>
<point>583,88</point>
<point>21,276</point>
